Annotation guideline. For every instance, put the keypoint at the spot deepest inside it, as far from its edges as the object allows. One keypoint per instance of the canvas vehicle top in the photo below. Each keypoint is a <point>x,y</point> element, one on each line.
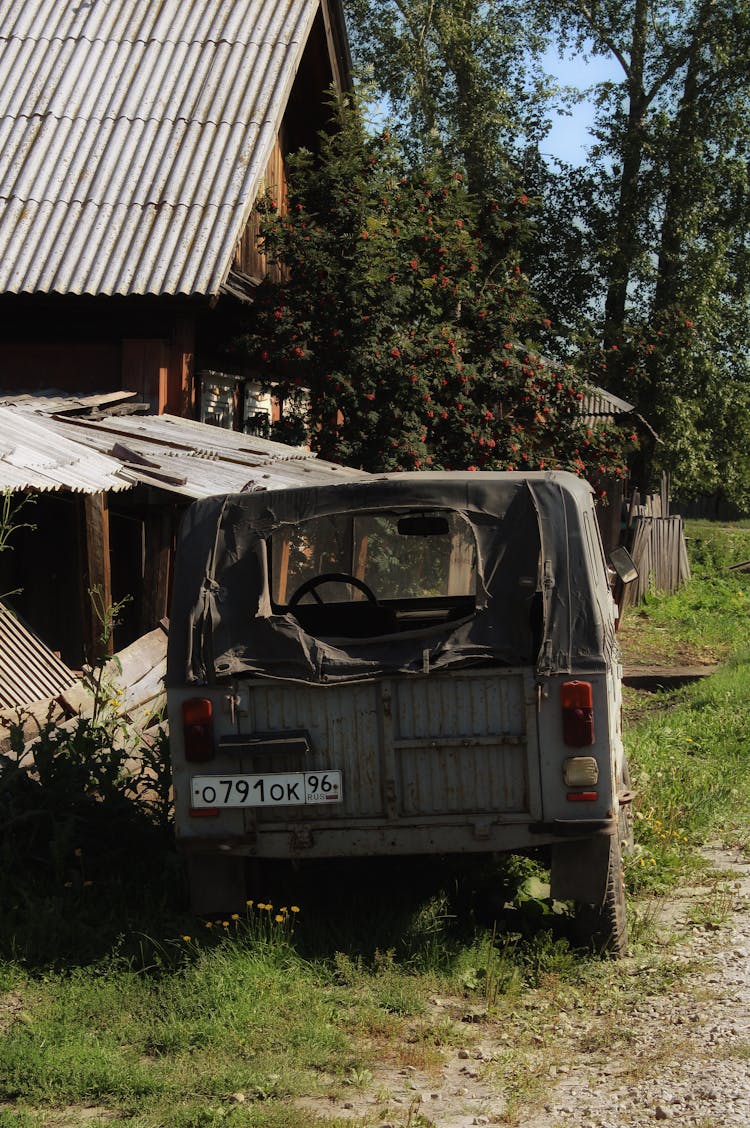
<point>416,663</point>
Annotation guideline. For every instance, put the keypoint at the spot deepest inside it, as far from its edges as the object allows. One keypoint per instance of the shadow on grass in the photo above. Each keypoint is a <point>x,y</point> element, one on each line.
<point>419,911</point>
<point>104,881</point>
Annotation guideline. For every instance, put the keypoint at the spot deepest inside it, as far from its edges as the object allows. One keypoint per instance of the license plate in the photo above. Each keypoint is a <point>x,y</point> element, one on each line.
<point>272,790</point>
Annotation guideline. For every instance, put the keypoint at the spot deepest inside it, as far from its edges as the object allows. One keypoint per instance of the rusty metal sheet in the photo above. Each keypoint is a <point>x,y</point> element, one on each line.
<point>179,455</point>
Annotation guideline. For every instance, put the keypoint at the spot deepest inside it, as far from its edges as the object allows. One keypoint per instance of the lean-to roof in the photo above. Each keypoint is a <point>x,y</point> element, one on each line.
<point>44,446</point>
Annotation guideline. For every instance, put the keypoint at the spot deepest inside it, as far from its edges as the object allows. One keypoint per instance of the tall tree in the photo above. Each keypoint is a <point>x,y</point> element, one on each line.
<point>662,219</point>
<point>402,335</point>
<point>461,76</point>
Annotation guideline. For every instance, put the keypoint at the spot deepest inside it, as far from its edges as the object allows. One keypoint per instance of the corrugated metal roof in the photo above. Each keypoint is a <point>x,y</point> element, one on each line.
<point>198,460</point>
<point>600,404</point>
<point>180,455</point>
<point>135,136</point>
<point>29,671</point>
<point>34,457</point>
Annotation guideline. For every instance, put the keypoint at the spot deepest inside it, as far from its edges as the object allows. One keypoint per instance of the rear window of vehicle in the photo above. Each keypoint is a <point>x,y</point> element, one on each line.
<point>397,555</point>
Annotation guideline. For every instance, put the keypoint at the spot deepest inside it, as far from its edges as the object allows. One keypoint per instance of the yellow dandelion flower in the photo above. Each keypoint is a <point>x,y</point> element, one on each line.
<point>209,924</point>
<point>295,908</point>
<point>187,939</point>
<point>284,910</point>
<point>249,904</point>
<point>78,852</point>
<point>235,916</point>
<point>279,918</point>
<point>268,907</point>
<point>225,924</point>
<point>87,883</point>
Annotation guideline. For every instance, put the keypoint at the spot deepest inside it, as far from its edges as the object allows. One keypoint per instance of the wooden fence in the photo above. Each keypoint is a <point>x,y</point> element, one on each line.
<point>660,554</point>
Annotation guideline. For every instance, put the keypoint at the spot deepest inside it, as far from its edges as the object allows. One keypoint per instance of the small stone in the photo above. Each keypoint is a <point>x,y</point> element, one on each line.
<point>434,1096</point>
<point>348,1104</point>
<point>463,1054</point>
<point>662,1113</point>
<point>237,1098</point>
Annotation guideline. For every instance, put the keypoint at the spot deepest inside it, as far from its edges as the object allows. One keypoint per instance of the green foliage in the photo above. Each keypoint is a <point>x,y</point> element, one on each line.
<point>402,335</point>
<point>10,509</point>
<point>688,754</point>
<point>461,78</point>
<point>705,621</point>
<point>661,231</point>
<point>84,802</point>
<point>641,256</point>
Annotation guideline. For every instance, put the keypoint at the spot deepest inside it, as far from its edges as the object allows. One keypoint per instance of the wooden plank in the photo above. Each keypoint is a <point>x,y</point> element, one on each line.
<point>158,558</point>
<point>98,571</point>
<point>143,654</point>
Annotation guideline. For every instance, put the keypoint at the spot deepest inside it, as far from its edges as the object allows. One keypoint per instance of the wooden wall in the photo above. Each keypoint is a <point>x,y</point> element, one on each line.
<point>85,345</point>
<point>249,258</point>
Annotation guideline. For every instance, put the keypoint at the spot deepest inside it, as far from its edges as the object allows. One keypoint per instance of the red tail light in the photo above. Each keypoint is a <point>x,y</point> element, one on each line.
<point>577,699</point>
<point>198,730</point>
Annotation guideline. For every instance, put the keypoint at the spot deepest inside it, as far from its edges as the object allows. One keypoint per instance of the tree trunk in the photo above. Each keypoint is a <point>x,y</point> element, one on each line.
<point>630,202</point>
<point>680,201</point>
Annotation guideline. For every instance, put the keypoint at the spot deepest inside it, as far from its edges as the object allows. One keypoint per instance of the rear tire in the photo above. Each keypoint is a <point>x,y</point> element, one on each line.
<point>604,927</point>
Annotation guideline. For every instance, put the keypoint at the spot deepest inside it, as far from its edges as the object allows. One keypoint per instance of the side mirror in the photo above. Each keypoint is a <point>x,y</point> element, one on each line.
<point>622,563</point>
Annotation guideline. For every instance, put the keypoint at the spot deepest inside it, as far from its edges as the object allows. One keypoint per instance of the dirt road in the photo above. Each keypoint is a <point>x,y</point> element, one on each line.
<point>673,1044</point>
<point>682,1056</point>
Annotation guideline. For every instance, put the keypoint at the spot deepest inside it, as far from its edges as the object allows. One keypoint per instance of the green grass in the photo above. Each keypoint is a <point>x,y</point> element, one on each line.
<point>115,1001</point>
<point>691,767</point>
<point>690,750</point>
<point>709,619</point>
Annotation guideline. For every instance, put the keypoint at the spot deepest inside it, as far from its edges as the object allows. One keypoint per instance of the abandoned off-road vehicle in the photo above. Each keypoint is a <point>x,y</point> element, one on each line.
<point>411,664</point>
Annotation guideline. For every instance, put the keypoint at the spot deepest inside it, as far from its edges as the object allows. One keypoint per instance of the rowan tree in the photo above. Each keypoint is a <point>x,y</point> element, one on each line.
<point>402,335</point>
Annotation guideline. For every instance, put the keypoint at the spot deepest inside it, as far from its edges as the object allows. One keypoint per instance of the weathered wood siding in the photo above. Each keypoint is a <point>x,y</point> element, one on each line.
<point>248,257</point>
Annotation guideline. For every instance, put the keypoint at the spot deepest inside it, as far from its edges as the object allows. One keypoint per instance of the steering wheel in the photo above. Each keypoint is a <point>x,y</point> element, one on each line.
<point>309,586</point>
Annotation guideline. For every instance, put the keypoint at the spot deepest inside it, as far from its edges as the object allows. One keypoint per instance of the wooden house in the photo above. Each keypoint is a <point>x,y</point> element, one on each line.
<point>135,141</point>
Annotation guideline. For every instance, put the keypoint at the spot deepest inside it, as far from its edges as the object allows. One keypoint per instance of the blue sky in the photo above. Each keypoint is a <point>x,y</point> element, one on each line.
<point>570,137</point>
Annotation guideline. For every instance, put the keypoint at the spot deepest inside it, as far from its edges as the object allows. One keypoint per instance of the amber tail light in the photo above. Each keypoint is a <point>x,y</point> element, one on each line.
<point>577,700</point>
<point>198,730</point>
